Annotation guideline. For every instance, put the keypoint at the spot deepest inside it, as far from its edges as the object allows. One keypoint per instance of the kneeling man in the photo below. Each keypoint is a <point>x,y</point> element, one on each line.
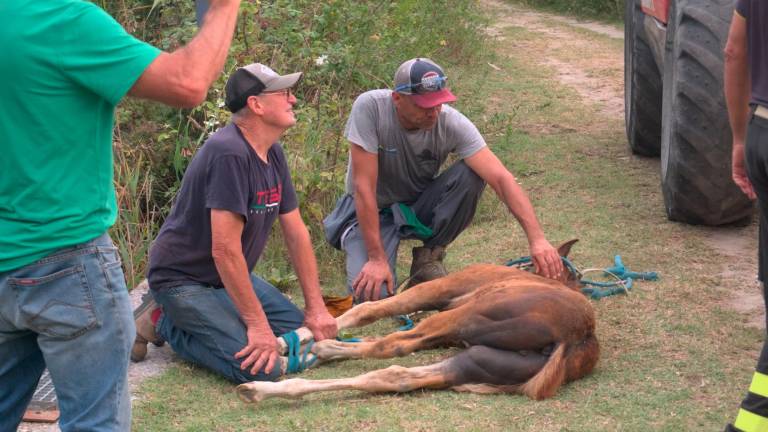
<point>212,310</point>
<point>398,140</point>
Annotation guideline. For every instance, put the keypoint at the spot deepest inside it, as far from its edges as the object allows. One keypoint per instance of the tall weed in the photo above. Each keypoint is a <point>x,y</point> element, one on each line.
<point>344,47</point>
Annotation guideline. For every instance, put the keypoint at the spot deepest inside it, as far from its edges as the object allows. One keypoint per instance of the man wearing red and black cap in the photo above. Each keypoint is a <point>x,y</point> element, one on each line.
<point>399,139</point>
<point>215,313</point>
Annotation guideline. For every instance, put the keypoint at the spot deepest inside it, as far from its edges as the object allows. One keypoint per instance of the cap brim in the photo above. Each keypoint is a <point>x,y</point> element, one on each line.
<point>283,82</point>
<point>433,99</point>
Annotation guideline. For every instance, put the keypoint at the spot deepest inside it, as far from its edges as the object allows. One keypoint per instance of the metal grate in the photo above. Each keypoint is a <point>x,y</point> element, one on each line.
<point>45,397</point>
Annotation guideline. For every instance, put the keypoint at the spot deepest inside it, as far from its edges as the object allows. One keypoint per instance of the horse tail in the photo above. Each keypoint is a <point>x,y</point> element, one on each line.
<point>566,363</point>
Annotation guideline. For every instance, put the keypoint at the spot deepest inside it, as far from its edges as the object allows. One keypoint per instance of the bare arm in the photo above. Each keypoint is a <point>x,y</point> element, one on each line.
<point>365,169</point>
<point>490,169</point>
<point>226,230</point>
<point>182,78</point>
<point>737,88</point>
<point>299,245</point>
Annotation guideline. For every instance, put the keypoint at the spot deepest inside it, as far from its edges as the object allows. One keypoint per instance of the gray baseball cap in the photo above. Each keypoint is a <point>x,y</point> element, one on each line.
<point>253,80</point>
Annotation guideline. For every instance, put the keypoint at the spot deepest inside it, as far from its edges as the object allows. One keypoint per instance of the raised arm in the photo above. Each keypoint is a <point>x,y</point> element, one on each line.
<point>299,244</point>
<point>737,87</point>
<point>226,231</point>
<point>490,169</point>
<point>365,172</point>
<point>182,78</point>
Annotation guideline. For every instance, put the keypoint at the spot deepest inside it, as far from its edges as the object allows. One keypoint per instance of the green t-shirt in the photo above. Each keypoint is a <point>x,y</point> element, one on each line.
<point>65,65</point>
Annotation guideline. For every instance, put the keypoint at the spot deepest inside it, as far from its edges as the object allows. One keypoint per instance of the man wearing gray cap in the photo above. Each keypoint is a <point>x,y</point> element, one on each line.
<point>212,310</point>
<point>398,141</point>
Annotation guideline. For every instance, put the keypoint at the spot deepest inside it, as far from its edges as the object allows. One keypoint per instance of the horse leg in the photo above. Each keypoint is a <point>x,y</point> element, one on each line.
<point>440,294</point>
<point>391,379</point>
<point>448,292</point>
<point>437,330</point>
<point>478,369</point>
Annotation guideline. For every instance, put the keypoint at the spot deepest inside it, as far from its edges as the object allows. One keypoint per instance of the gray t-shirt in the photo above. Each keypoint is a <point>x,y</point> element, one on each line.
<point>408,160</point>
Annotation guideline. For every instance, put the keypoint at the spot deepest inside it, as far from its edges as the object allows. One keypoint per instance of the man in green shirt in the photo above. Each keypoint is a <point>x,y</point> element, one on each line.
<point>63,301</point>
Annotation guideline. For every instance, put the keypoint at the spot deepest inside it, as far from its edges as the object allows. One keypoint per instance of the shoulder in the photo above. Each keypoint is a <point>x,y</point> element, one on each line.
<point>453,117</point>
<point>88,14</point>
<point>226,142</point>
<point>277,152</point>
<point>374,97</point>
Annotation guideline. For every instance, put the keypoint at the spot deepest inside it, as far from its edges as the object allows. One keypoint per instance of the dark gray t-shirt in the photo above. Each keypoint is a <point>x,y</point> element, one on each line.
<point>408,160</point>
<point>225,174</point>
<point>756,14</point>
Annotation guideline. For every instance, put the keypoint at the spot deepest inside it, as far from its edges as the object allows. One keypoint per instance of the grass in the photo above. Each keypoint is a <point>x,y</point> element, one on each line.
<point>673,359</point>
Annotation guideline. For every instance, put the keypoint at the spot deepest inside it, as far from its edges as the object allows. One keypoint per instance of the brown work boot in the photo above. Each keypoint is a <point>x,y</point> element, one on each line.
<point>427,264</point>
<point>145,328</point>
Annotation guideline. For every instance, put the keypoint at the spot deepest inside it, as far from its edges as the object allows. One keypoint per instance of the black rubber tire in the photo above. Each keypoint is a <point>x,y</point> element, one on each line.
<point>642,86</point>
<point>696,138</point>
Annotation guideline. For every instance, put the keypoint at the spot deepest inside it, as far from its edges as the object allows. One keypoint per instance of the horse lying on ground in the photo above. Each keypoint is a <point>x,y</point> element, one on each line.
<point>525,334</point>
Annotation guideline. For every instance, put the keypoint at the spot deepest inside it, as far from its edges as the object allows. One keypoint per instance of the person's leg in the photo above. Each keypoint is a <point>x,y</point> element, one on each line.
<point>357,254</point>
<point>753,413</point>
<point>448,205</point>
<point>21,364</point>
<point>282,314</point>
<point>203,326</point>
<point>77,304</point>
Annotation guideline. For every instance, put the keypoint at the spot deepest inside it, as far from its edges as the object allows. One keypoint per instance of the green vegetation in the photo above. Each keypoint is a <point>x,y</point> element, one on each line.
<point>343,46</point>
<point>673,357</point>
<point>608,10</point>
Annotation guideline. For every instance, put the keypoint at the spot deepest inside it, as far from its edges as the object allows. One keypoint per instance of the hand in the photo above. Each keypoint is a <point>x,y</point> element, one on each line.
<point>321,323</point>
<point>739,173</point>
<point>367,285</point>
<point>261,351</point>
<point>546,260</point>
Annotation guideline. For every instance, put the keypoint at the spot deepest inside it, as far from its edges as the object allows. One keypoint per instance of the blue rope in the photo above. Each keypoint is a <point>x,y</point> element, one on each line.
<point>601,289</point>
<point>406,322</point>
<point>297,360</point>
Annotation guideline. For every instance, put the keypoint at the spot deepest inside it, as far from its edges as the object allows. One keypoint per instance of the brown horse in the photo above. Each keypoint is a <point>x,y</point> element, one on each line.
<point>525,334</point>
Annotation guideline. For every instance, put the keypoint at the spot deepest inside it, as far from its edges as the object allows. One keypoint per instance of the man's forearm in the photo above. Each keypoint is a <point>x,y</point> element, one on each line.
<point>235,275</point>
<point>521,208</point>
<point>203,57</point>
<point>368,218</point>
<point>737,80</point>
<point>737,97</point>
<point>304,263</point>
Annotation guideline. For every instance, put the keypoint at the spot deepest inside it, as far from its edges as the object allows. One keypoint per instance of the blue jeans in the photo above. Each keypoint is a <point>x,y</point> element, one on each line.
<point>69,311</point>
<point>202,325</point>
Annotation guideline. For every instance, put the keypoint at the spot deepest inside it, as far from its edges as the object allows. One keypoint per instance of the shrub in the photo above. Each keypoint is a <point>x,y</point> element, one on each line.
<point>344,47</point>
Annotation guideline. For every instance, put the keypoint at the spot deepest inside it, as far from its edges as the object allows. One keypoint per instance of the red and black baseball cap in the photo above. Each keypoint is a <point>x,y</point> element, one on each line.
<point>424,81</point>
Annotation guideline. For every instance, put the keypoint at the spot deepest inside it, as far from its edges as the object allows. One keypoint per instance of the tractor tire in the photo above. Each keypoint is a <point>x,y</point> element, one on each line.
<point>642,86</point>
<point>696,137</point>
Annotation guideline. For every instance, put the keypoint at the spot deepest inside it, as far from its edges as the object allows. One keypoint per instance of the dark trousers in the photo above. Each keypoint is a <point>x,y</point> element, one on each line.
<point>753,414</point>
<point>447,206</point>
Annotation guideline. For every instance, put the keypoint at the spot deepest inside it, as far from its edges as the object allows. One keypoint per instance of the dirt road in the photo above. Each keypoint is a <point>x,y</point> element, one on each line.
<point>565,46</point>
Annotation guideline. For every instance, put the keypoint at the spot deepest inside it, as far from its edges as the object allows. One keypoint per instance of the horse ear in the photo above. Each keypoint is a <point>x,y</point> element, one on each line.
<point>565,248</point>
